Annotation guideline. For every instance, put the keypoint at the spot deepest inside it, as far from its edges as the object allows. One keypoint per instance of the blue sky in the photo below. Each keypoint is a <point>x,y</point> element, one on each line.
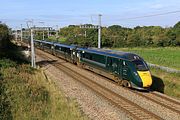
<point>65,12</point>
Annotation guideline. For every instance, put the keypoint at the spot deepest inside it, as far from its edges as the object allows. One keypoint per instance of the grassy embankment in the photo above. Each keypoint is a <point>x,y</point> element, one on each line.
<point>26,93</point>
<point>169,83</point>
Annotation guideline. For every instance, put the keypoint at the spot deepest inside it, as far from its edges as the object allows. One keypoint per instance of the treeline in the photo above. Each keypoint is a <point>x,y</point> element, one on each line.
<point>7,48</point>
<point>118,36</point>
<point>5,37</point>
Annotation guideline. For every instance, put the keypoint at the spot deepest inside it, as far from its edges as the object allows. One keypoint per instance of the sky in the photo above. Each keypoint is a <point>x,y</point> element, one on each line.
<point>127,13</point>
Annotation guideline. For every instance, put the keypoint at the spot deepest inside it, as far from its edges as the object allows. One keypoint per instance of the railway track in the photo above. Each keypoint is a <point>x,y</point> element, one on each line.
<point>166,102</point>
<point>170,102</point>
<point>134,110</point>
<point>166,98</point>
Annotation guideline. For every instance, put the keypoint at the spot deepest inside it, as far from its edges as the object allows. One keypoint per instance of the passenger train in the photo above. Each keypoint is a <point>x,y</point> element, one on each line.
<point>126,69</point>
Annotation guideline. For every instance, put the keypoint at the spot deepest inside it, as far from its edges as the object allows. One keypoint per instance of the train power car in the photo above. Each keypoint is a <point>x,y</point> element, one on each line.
<point>126,69</point>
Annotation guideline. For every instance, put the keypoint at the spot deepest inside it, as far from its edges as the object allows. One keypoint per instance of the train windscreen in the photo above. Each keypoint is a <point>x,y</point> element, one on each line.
<point>140,65</point>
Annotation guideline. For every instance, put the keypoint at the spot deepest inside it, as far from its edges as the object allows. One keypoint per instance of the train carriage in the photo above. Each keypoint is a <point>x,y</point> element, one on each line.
<point>45,45</point>
<point>38,43</point>
<point>66,52</point>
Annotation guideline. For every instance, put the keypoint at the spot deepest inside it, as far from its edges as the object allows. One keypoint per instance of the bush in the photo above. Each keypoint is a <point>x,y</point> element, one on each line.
<point>4,37</point>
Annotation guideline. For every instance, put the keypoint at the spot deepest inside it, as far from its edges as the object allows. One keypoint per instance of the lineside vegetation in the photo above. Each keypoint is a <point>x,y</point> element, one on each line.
<point>25,93</point>
<point>167,83</point>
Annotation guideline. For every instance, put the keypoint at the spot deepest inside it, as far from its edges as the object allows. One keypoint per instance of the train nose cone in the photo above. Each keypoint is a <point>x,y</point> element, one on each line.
<point>146,78</point>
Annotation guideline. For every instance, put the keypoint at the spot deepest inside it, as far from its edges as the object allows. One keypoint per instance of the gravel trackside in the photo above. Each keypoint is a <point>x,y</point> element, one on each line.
<point>91,104</point>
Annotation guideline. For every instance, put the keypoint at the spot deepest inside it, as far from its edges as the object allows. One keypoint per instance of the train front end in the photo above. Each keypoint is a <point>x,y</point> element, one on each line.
<point>142,75</point>
<point>146,78</point>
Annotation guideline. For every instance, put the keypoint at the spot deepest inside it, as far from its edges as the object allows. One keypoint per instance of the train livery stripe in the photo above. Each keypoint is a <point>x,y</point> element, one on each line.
<point>146,78</point>
<point>91,61</point>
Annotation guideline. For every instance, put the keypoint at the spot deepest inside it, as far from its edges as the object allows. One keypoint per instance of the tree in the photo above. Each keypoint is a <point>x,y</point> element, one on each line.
<point>176,30</point>
<point>4,37</point>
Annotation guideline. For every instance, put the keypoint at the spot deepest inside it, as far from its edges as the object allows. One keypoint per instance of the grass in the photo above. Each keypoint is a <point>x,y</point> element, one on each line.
<point>26,94</point>
<point>168,56</point>
<point>168,83</point>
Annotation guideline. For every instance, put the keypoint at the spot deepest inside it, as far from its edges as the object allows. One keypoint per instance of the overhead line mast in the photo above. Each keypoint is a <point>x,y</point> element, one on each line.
<point>33,61</point>
<point>99,32</point>
<point>21,33</point>
<point>95,27</point>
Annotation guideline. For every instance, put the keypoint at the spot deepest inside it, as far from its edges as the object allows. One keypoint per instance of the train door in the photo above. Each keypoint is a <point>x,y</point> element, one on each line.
<point>109,64</point>
<point>73,55</point>
<point>124,70</point>
<point>113,65</point>
<point>120,69</point>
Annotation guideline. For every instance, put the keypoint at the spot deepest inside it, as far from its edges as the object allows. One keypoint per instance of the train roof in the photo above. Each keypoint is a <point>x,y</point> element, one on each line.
<point>43,41</point>
<point>63,45</point>
<point>112,53</point>
<point>56,44</point>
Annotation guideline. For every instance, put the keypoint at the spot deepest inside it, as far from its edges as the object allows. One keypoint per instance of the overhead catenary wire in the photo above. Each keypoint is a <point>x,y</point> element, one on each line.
<point>151,15</point>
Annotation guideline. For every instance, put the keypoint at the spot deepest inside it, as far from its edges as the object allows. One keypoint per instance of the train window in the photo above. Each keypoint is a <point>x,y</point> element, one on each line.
<point>140,65</point>
<point>82,55</point>
<point>86,56</point>
<point>68,50</point>
<point>90,57</point>
<point>110,61</point>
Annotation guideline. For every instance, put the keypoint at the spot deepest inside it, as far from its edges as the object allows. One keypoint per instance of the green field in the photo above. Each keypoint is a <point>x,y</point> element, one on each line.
<point>168,83</point>
<point>168,56</point>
